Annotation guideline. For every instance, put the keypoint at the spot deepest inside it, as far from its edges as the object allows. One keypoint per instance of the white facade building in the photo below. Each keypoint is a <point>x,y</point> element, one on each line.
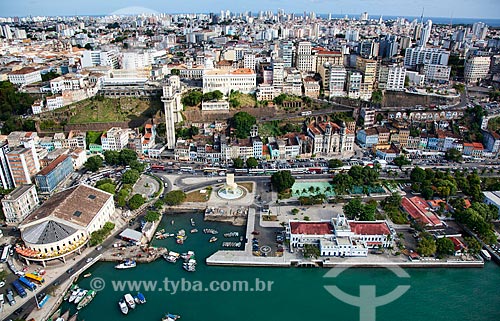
<point>476,68</point>
<point>172,107</point>
<point>424,56</point>
<point>19,203</point>
<point>437,72</point>
<point>243,80</point>
<point>396,78</point>
<point>25,76</point>
<point>114,139</point>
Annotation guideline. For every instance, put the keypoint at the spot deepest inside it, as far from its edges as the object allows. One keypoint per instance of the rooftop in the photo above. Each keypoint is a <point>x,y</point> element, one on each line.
<point>78,204</point>
<point>47,232</point>
<point>18,192</point>
<point>49,168</point>
<point>311,228</point>
<point>369,228</point>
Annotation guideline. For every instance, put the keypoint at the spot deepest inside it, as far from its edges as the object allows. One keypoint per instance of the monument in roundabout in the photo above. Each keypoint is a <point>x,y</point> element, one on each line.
<point>230,190</point>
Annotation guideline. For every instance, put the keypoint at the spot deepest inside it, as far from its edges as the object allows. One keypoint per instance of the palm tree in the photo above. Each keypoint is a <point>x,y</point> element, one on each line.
<point>311,189</point>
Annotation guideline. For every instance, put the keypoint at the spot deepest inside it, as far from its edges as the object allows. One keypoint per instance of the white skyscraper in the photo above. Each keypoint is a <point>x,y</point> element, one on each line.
<point>364,16</point>
<point>426,33</point>
<point>172,106</point>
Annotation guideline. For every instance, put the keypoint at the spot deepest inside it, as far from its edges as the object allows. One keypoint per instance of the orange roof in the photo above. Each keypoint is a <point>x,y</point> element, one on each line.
<point>478,146</point>
<point>311,228</point>
<point>242,71</point>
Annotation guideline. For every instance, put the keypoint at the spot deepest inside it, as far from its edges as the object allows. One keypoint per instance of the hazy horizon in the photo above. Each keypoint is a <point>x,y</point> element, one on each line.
<point>480,9</point>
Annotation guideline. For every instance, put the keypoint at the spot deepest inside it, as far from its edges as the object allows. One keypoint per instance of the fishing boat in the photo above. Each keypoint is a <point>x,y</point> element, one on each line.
<point>73,317</point>
<point>187,256</point>
<point>68,293</point>
<point>192,222</point>
<point>232,234</point>
<point>213,239</point>
<point>189,266</point>
<point>140,298</point>
<point>194,231</point>
<point>87,299</point>
<point>210,231</point>
<point>171,257</point>
<point>170,317</point>
<point>74,294</point>
<point>127,264</point>
<point>80,296</point>
<point>64,317</point>
<point>87,275</point>
<point>123,306</point>
<point>130,300</point>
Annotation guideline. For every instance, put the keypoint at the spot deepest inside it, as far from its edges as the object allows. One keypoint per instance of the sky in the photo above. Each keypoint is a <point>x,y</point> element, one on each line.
<point>433,8</point>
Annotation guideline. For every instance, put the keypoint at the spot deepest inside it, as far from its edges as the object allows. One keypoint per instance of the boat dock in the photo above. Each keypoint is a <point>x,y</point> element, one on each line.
<point>141,254</point>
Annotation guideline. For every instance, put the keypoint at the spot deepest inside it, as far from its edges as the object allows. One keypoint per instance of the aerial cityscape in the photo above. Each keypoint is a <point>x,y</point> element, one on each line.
<point>206,160</point>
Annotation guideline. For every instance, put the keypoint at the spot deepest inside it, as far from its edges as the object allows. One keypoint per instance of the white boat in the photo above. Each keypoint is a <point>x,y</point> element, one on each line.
<point>130,300</point>
<point>190,265</point>
<point>128,264</point>
<point>80,296</point>
<point>73,295</point>
<point>123,306</point>
<point>187,256</point>
<point>486,255</point>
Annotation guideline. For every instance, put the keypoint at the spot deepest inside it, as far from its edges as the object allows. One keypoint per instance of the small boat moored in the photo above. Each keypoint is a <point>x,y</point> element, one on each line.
<point>213,239</point>
<point>130,300</point>
<point>127,264</point>
<point>123,306</point>
<point>170,317</point>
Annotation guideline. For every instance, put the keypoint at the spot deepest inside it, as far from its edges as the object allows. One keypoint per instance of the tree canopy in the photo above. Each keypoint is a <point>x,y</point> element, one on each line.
<point>252,162</point>
<point>242,122</point>
<point>453,154</point>
<point>130,177</point>
<point>238,162</point>
<point>152,216</point>
<point>356,210</point>
<point>93,163</point>
<point>335,163</point>
<point>282,180</point>
<point>136,201</point>
<point>445,246</point>
<point>175,197</point>
<point>426,246</point>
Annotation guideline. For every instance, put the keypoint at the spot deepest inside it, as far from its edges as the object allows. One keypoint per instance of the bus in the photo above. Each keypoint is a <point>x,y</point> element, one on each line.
<point>19,289</point>
<point>5,253</point>
<point>240,171</point>
<point>157,167</point>
<point>186,169</point>
<point>306,113</point>
<point>34,278</point>
<point>27,283</point>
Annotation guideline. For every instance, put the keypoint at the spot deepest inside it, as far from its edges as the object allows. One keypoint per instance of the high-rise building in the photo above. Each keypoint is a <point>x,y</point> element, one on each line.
<point>249,61</point>
<point>337,80</point>
<point>287,55</point>
<point>23,164</point>
<point>172,107</point>
<point>422,56</point>
<point>425,33</point>
<point>305,58</point>
<point>363,16</point>
<point>278,73</point>
<point>6,179</point>
<point>369,69</point>
<point>476,68</point>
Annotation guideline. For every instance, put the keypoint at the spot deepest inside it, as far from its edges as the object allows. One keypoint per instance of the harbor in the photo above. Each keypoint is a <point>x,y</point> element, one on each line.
<point>193,305</point>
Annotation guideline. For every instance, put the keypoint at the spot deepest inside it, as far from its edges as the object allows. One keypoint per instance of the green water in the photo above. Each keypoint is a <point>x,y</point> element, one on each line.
<point>296,294</point>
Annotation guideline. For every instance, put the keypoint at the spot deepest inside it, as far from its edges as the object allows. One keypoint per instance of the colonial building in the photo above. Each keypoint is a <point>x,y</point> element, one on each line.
<point>339,236</point>
<point>63,224</point>
<point>330,138</point>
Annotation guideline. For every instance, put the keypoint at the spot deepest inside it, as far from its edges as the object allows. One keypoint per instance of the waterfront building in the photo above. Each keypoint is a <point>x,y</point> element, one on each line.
<point>339,236</point>
<point>54,173</point>
<point>19,203</point>
<point>63,224</point>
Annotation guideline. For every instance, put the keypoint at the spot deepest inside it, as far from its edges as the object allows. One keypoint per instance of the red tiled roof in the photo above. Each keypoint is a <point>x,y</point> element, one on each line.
<point>370,228</point>
<point>459,245</point>
<point>311,228</point>
<point>478,146</point>
<point>417,209</point>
